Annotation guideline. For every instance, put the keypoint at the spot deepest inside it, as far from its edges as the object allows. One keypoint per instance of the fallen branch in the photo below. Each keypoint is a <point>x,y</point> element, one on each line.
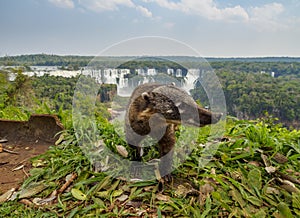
<point>25,172</point>
<point>9,151</point>
<point>18,168</point>
<point>6,150</point>
<point>26,202</point>
<point>3,140</point>
<point>3,163</point>
<point>67,183</point>
<point>287,177</point>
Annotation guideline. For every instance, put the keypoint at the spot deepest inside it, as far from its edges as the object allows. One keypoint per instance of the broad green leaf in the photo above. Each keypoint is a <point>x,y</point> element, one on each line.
<point>236,195</point>
<point>78,194</point>
<point>117,193</point>
<point>296,200</point>
<point>255,201</point>
<point>260,214</point>
<point>254,179</point>
<point>284,210</point>
<point>114,186</point>
<point>240,156</point>
<point>103,194</point>
<point>224,202</point>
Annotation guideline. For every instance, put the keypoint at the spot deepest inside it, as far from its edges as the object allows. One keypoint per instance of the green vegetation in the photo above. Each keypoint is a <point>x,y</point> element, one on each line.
<point>15,96</point>
<point>278,67</point>
<point>250,96</point>
<point>55,91</point>
<point>249,93</point>
<point>254,172</point>
<point>45,60</point>
<point>42,95</point>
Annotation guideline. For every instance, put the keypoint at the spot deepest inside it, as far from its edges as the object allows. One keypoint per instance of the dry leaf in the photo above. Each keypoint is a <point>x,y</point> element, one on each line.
<point>6,195</point>
<point>122,150</point>
<point>40,201</point>
<point>270,169</point>
<point>280,158</point>
<point>60,139</point>
<point>162,197</point>
<point>30,190</point>
<point>122,198</point>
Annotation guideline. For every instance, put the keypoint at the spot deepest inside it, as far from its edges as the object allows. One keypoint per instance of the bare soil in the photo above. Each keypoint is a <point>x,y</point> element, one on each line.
<point>27,139</point>
<point>14,168</point>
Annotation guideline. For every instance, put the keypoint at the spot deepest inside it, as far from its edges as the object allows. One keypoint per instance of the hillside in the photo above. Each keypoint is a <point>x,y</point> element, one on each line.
<point>254,173</point>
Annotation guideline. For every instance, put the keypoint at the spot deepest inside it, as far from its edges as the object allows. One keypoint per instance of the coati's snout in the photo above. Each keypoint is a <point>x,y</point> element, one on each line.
<point>207,117</point>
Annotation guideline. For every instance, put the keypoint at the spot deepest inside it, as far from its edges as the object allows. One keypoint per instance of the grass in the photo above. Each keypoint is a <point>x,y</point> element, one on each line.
<point>254,173</point>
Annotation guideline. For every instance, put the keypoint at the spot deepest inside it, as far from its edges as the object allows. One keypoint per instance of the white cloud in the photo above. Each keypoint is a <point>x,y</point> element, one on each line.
<point>205,8</point>
<point>113,5</point>
<point>63,3</point>
<point>267,11</point>
<point>105,5</point>
<point>267,16</point>
<point>145,12</point>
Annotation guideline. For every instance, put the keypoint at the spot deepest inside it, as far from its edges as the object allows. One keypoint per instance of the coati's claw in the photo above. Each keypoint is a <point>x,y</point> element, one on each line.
<point>168,178</point>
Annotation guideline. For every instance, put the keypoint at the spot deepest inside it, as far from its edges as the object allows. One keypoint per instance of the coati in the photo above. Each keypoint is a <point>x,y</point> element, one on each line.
<point>155,110</point>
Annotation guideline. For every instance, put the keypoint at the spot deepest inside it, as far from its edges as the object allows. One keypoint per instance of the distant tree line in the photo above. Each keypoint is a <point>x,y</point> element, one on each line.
<point>46,60</point>
<point>279,68</point>
<point>249,93</point>
<point>279,65</point>
<point>249,96</point>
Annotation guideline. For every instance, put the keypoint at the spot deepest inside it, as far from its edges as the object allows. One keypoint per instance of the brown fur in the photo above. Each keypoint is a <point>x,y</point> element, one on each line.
<point>156,110</point>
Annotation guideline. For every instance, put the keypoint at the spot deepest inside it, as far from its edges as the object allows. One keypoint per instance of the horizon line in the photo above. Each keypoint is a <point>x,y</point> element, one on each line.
<point>216,57</point>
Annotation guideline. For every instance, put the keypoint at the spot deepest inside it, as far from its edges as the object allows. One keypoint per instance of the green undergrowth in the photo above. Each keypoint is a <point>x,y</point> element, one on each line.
<point>254,173</point>
<point>23,113</point>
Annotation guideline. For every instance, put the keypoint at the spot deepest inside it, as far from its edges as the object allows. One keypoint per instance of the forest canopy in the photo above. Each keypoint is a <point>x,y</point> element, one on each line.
<point>252,86</point>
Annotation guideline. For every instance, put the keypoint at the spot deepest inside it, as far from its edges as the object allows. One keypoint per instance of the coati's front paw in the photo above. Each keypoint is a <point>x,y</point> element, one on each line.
<point>167,179</point>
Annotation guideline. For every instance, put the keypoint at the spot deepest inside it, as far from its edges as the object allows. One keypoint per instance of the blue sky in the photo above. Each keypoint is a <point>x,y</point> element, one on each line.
<point>214,28</point>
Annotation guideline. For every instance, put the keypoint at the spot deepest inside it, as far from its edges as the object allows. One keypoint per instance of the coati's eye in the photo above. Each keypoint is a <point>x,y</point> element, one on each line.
<point>146,96</point>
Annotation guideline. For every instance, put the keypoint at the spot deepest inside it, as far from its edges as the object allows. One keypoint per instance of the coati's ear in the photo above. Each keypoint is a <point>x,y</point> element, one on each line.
<point>146,96</point>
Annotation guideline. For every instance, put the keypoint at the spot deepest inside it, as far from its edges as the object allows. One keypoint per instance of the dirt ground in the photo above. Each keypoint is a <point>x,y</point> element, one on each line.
<point>25,139</point>
<point>14,168</point>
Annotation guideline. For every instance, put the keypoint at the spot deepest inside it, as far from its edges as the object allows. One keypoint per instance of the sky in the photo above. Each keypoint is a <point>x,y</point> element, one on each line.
<point>213,28</point>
